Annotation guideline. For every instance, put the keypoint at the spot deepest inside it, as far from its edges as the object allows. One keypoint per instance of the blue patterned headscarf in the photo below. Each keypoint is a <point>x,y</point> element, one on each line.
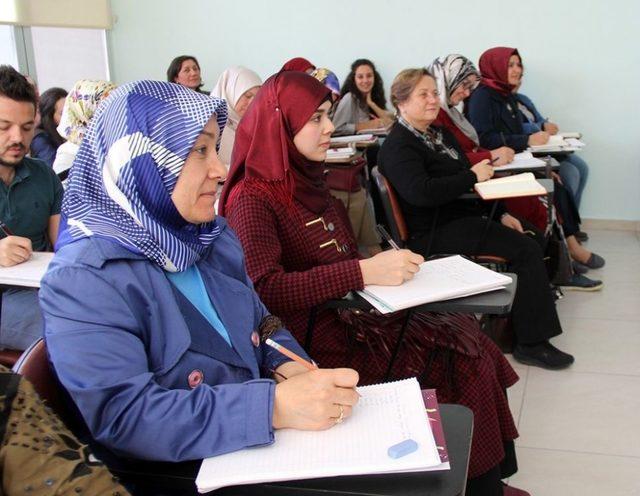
<point>127,167</point>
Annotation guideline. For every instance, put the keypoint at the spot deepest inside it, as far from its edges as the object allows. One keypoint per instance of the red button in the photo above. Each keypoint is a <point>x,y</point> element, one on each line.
<point>195,378</point>
<point>255,339</point>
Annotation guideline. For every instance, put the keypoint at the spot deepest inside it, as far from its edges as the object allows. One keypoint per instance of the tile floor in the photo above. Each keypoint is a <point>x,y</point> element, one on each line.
<point>580,427</point>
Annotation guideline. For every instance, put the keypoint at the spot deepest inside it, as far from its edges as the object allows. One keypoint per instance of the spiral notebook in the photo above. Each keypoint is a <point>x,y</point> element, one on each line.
<point>386,414</point>
<point>437,280</point>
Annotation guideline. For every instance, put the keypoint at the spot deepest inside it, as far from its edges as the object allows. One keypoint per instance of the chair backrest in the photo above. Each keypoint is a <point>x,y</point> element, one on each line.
<point>395,217</point>
<point>34,365</point>
<point>8,358</point>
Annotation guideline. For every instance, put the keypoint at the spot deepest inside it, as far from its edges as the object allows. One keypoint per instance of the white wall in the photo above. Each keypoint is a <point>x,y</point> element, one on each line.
<point>581,58</point>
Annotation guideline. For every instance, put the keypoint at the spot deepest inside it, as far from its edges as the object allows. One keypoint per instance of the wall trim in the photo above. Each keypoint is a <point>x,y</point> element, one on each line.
<point>611,225</point>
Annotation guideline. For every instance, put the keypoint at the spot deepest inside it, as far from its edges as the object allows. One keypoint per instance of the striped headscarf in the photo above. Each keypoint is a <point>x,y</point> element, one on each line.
<point>127,167</point>
<point>80,105</point>
<point>449,72</point>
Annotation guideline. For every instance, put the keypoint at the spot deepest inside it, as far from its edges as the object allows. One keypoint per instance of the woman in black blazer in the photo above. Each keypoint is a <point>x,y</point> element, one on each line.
<point>430,172</point>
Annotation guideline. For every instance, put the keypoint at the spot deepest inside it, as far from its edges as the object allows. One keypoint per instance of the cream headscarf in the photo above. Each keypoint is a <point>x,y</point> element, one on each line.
<point>449,72</point>
<point>231,85</point>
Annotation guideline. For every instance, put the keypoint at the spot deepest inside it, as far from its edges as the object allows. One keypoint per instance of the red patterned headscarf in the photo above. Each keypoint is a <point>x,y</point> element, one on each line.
<point>494,67</point>
<point>264,156</point>
<point>299,64</point>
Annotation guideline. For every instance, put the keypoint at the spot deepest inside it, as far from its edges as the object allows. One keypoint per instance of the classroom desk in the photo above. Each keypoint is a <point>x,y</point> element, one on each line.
<point>179,478</point>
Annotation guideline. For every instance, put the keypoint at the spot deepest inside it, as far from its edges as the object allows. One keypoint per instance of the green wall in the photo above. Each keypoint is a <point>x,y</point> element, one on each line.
<point>581,59</point>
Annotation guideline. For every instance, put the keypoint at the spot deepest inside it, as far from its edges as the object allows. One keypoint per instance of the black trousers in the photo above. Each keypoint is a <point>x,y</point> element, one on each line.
<point>534,315</point>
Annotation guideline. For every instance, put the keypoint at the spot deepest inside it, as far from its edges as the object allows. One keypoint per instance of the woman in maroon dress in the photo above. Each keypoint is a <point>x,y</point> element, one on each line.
<point>300,252</point>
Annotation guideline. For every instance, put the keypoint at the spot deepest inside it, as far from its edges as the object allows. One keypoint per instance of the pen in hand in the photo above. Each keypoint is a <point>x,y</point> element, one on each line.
<point>385,235</point>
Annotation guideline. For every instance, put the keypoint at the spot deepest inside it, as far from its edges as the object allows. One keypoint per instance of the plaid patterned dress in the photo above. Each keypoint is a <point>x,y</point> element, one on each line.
<point>298,260</point>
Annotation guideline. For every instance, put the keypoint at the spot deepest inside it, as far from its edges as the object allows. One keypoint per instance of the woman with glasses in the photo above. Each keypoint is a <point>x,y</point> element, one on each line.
<point>429,171</point>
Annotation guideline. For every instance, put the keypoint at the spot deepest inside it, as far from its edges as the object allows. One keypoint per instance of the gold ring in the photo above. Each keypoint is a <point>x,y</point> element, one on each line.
<point>341,416</point>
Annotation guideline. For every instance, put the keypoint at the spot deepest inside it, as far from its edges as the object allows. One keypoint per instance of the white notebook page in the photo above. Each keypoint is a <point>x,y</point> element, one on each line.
<point>385,415</point>
<point>437,280</point>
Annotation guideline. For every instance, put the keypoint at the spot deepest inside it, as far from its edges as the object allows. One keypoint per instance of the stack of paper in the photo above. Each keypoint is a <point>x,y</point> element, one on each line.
<point>510,187</point>
<point>393,411</point>
<point>353,138</point>
<point>524,160</point>
<point>441,279</point>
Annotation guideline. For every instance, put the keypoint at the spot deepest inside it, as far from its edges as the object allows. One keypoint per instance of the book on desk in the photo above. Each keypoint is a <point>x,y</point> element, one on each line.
<point>524,184</point>
<point>561,142</point>
<point>394,411</point>
<point>441,279</point>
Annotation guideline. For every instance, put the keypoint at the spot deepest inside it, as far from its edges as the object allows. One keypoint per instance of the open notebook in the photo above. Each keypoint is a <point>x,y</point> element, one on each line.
<point>524,184</point>
<point>523,160</point>
<point>441,279</point>
<point>28,273</point>
<point>386,414</point>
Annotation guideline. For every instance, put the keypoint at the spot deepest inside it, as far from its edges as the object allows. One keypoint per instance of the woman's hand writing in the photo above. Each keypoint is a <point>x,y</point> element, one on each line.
<point>539,138</point>
<point>504,154</point>
<point>483,171</point>
<point>315,399</point>
<point>391,267</point>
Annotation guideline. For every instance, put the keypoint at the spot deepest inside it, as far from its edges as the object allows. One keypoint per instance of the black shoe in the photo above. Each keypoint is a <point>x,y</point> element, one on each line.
<point>543,355</point>
<point>579,282</point>
<point>582,236</point>
<point>595,262</point>
<point>579,268</point>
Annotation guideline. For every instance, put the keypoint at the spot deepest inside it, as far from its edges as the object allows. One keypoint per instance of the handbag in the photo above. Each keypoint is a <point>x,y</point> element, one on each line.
<point>345,177</point>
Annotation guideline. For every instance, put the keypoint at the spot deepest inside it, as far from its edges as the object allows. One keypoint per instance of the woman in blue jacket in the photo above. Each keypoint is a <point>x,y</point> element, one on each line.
<point>151,322</point>
<point>493,111</point>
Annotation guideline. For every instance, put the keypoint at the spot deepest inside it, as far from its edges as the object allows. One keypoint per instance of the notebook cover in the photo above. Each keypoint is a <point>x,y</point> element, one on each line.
<point>433,414</point>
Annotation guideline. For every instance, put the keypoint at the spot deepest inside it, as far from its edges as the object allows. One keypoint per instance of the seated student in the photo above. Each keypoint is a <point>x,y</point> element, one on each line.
<point>358,203</point>
<point>299,64</point>
<point>43,458</point>
<point>46,141</point>
<point>237,85</point>
<point>30,198</point>
<point>151,322</point>
<point>429,171</point>
<point>300,252</point>
<point>456,78</point>
<point>363,104</point>
<point>80,105</point>
<point>185,70</point>
<point>574,171</point>
<point>493,111</point>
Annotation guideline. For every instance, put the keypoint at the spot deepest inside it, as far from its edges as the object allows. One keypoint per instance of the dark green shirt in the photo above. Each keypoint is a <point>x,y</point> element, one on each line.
<point>34,195</point>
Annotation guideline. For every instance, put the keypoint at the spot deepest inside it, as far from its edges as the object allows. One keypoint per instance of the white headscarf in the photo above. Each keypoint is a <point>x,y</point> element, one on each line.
<point>449,72</point>
<point>232,84</point>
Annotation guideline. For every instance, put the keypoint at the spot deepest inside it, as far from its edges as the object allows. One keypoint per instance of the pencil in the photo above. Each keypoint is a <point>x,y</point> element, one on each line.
<point>494,160</point>
<point>290,354</point>
<point>4,229</point>
<point>385,235</point>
